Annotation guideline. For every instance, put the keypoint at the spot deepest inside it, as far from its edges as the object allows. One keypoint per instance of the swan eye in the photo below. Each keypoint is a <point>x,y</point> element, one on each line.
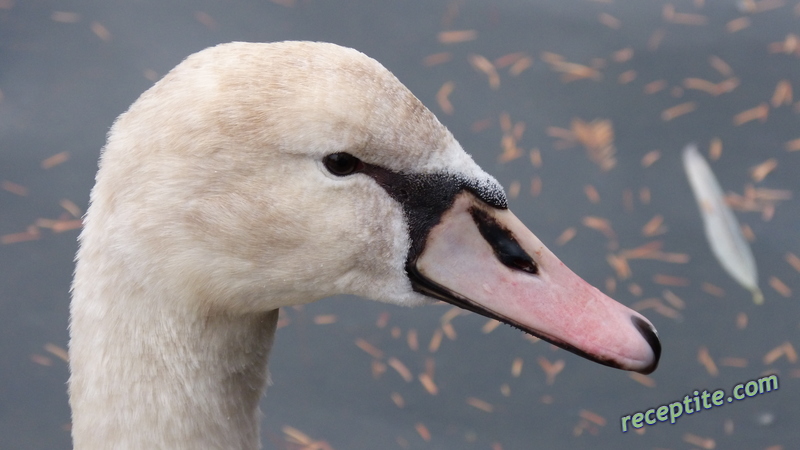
<point>342,164</point>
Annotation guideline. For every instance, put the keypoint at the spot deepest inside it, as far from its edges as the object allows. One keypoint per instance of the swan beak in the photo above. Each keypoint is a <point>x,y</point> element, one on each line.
<point>485,260</point>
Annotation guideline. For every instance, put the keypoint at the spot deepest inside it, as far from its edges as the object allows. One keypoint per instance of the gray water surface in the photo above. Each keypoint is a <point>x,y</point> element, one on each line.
<point>65,77</point>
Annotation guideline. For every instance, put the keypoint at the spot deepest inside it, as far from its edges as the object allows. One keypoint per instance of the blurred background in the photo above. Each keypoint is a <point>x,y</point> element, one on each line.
<point>580,108</point>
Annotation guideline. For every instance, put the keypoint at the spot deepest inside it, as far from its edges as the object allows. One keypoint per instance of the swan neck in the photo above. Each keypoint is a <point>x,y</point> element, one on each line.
<point>147,374</point>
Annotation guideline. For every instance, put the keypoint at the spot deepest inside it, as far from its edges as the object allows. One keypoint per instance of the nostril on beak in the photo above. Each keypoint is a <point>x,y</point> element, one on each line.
<point>649,334</point>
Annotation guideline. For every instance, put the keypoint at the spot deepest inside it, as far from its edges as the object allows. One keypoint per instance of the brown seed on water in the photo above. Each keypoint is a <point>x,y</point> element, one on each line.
<point>536,186</point>
<point>457,36</point>
<point>65,17</point>
<point>55,160</point>
<point>443,97</point>
<point>669,280</point>
<point>15,188</point>
<point>296,436</point>
<point>436,341</point>
<point>536,158</point>
<point>591,193</point>
<point>31,234</point>
<point>516,367</point>
<point>506,60</point>
<point>654,86</point>
<point>520,66</point>
<point>655,39</point>
<point>644,380</point>
<point>482,64</point>
<point>57,351</point>
<point>654,226</point>
<point>325,319</point>
<point>609,21</point>
<point>699,441</point>
<point>437,58</point>
<point>620,265</point>
<point>760,112</point>
<point>748,234</point>
<point>644,195</point>
<point>651,157</point>
<point>622,55</point>
<point>737,24</point>
<point>600,224</point>
<point>369,348</point>
<point>759,172</point>
<point>480,404</point>
<point>705,359</point>
<point>793,261</point>
<point>428,384</point>
<point>513,189</point>
<point>701,85</point>
<point>720,66</point>
<point>41,360</point>
<point>490,326</point>
<point>100,31</point>
<point>741,321</point>
<point>595,418</point>
<point>398,399</point>
<point>481,125</point>
<point>378,368</point>
<point>716,291</point>
<point>793,145</point>
<point>678,110</point>
<point>782,94</point>
<point>673,299</point>
<point>715,149</point>
<point>423,432</point>
<point>411,339</point>
<point>733,362</point>
<point>566,236</point>
<point>551,370</point>
<point>780,287</point>
<point>383,320</point>
<point>401,369</point>
<point>449,331</point>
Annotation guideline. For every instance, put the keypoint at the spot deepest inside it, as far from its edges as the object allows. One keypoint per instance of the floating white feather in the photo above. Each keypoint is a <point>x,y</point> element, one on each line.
<point>723,231</point>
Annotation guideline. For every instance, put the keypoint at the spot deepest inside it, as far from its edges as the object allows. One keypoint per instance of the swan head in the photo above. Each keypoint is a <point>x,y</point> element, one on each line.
<point>256,176</point>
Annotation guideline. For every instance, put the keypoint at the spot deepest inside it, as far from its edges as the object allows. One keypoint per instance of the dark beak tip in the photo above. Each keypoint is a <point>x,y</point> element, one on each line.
<point>651,336</point>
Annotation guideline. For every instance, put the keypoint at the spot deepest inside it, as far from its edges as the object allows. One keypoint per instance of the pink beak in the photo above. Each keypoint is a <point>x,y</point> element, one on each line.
<point>485,260</point>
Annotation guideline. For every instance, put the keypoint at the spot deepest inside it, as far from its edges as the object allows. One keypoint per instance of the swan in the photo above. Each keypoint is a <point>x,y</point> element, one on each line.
<point>257,176</point>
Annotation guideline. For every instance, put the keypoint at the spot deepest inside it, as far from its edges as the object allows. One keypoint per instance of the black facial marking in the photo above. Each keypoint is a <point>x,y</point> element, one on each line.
<point>505,247</point>
<point>425,197</point>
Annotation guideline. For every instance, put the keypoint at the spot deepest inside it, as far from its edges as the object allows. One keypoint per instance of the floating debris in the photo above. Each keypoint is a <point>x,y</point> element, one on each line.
<point>443,97</point>
<point>437,58</point>
<point>644,380</point>
<point>15,188</point>
<point>423,432</point>
<point>721,227</point>
<point>704,358</point>
<point>481,64</point>
<point>551,369</point>
<point>480,404</point>
<point>456,36</point>
<point>699,441</point>
<point>678,110</point>
<point>52,161</point>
